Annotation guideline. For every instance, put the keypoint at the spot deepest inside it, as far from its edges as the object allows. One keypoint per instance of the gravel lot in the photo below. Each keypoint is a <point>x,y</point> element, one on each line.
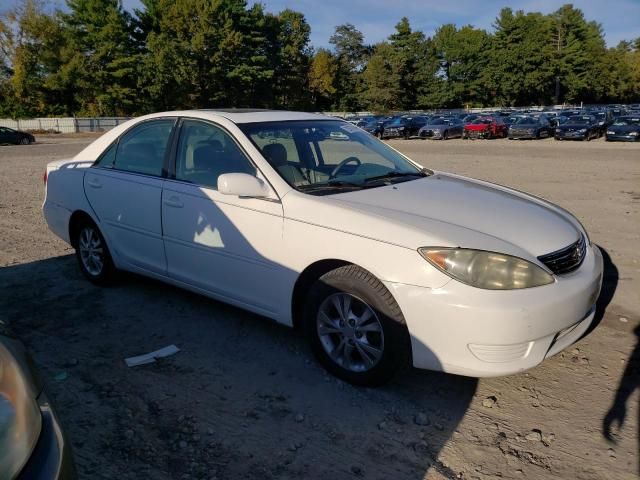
<point>244,399</point>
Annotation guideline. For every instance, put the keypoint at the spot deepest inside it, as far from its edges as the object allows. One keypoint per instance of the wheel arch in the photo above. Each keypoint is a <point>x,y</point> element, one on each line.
<point>304,281</point>
<point>76,219</point>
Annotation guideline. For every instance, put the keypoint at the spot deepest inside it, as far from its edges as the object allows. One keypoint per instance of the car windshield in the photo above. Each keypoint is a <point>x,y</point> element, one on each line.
<point>482,121</point>
<point>440,121</point>
<point>328,156</point>
<point>579,120</point>
<point>526,120</point>
<point>397,122</point>
<point>627,121</point>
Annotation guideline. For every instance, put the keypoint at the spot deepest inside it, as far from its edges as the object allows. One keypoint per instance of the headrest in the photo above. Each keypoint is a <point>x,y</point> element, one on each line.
<point>275,153</point>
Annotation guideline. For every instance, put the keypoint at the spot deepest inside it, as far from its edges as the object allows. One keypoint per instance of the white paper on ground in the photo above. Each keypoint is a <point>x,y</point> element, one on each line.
<point>151,356</point>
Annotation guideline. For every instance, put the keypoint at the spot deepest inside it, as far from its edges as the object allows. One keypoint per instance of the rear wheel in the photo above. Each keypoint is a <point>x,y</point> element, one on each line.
<point>354,326</point>
<point>92,254</point>
<point>24,141</point>
<point>445,135</point>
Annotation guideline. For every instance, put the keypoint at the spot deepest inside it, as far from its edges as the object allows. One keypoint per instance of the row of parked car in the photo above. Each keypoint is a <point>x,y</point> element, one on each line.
<point>616,123</point>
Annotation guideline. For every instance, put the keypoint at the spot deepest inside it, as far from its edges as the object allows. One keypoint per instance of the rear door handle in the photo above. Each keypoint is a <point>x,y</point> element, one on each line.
<point>173,201</point>
<point>95,183</point>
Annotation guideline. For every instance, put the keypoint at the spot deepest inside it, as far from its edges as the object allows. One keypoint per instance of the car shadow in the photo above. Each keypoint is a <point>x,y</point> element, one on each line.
<point>610,278</point>
<point>243,396</point>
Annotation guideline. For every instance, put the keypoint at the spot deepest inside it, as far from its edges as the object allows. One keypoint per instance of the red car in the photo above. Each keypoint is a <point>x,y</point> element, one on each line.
<point>485,127</point>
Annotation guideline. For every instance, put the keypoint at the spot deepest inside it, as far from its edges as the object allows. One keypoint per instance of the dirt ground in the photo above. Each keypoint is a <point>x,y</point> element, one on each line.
<point>244,398</point>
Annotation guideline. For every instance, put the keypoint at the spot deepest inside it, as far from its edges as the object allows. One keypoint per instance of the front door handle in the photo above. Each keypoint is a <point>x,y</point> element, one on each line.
<point>94,182</point>
<point>173,201</point>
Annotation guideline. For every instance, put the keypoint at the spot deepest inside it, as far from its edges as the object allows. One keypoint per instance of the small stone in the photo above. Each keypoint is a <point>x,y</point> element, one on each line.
<point>623,319</point>
<point>575,351</point>
<point>612,453</point>
<point>356,471</point>
<point>489,402</point>
<point>534,436</point>
<point>299,418</point>
<point>421,419</point>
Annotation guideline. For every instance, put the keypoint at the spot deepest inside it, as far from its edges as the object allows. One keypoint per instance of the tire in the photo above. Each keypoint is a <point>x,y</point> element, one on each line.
<point>445,135</point>
<point>24,141</point>
<point>93,254</point>
<point>362,357</point>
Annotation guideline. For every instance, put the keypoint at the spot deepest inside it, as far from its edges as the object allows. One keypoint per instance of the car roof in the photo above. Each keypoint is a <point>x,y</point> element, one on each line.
<point>245,115</point>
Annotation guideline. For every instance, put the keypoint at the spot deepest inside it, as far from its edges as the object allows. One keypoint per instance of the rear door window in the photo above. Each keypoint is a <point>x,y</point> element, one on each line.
<point>143,148</point>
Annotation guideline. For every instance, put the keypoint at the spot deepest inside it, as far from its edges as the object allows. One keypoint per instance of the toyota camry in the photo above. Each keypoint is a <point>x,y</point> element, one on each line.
<point>379,260</point>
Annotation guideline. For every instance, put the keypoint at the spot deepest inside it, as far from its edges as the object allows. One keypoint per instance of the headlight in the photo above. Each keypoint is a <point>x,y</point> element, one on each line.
<point>582,130</point>
<point>488,270</point>
<point>609,132</point>
<point>20,419</point>
<point>633,134</point>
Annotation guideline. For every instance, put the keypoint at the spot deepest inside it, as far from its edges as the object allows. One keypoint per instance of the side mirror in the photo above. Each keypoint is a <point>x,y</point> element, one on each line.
<point>242,185</point>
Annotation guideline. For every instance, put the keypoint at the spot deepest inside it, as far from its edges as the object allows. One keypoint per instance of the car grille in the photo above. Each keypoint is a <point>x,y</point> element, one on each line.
<point>566,260</point>
<point>475,133</point>
<point>426,133</point>
<point>520,131</point>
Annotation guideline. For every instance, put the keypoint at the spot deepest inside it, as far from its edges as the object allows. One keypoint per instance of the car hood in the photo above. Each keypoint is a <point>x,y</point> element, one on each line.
<point>573,126</point>
<point>444,210</point>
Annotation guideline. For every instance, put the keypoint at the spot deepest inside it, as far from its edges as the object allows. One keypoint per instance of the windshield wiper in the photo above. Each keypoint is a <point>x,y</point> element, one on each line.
<point>331,184</point>
<point>390,175</point>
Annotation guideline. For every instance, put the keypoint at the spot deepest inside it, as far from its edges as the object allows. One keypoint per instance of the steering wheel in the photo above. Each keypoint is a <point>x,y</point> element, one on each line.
<point>347,160</point>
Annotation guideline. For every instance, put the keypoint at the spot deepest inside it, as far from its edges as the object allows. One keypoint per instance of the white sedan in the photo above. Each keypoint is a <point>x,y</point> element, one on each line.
<point>314,223</point>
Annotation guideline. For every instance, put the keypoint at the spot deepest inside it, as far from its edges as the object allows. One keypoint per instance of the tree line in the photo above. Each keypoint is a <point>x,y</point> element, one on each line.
<point>94,58</point>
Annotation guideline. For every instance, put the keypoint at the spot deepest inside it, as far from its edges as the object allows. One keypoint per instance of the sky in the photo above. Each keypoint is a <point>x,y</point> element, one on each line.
<point>376,19</point>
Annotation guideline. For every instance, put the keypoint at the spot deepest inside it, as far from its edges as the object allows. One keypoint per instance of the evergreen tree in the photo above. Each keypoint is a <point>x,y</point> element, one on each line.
<point>101,61</point>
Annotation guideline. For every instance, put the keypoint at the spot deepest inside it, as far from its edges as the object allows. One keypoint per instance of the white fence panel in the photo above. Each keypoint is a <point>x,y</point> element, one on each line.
<point>64,125</point>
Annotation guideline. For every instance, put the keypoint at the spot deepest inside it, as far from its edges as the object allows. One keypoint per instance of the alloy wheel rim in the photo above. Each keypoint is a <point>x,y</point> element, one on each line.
<point>350,332</point>
<point>91,251</point>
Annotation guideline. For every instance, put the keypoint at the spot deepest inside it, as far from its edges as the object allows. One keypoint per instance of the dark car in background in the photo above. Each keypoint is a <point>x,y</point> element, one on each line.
<point>604,119</point>
<point>578,127</point>
<point>15,137</point>
<point>530,126</point>
<point>624,129</point>
<point>32,445</point>
<point>404,127</point>
<point>442,128</point>
<point>376,126</point>
<point>485,127</point>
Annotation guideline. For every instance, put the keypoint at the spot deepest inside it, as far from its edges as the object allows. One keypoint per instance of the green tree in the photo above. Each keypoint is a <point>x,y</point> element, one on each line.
<point>382,80</point>
<point>322,78</point>
<point>292,60</point>
<point>101,61</point>
<point>351,55</point>
<point>520,71</point>
<point>580,56</point>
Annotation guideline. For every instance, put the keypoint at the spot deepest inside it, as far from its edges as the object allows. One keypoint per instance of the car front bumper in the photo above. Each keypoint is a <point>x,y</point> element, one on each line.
<point>51,458</point>
<point>570,136</point>
<point>522,135</point>
<point>482,333</point>
<point>622,138</point>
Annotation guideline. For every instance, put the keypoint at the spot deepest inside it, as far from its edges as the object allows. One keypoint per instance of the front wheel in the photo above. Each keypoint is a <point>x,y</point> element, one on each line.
<point>24,141</point>
<point>354,326</point>
<point>93,255</point>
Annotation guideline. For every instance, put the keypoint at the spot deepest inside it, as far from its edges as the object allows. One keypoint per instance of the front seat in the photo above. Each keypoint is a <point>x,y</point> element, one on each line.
<point>276,155</point>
